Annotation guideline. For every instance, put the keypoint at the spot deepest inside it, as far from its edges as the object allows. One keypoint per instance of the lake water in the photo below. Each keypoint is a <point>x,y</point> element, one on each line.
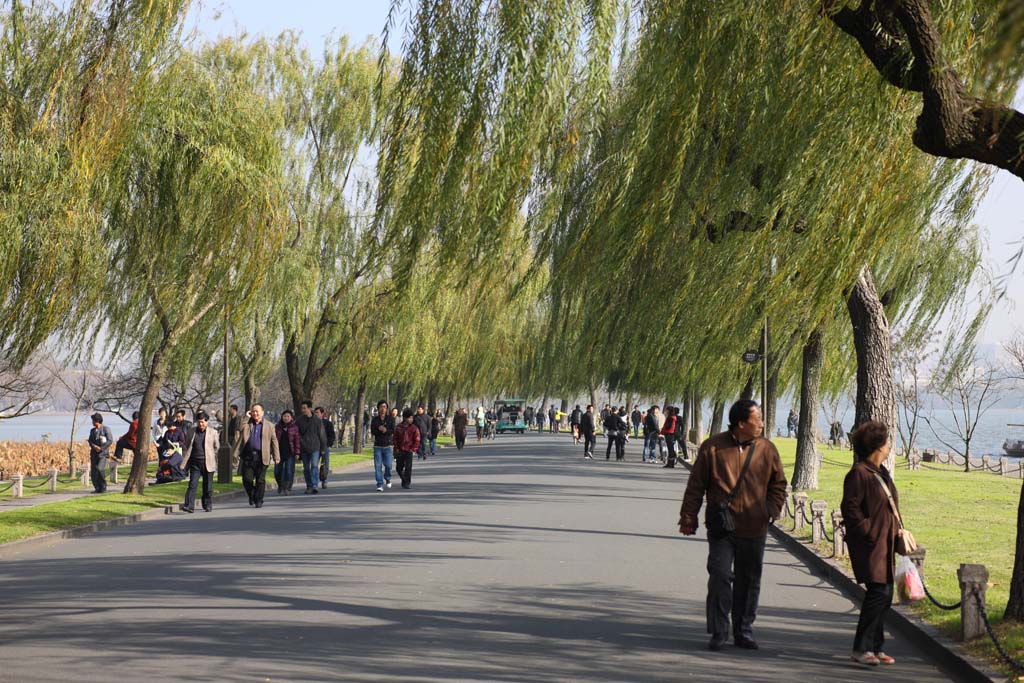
<point>988,439</point>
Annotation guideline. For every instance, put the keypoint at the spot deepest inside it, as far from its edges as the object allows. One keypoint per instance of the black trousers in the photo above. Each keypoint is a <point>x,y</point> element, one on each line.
<point>254,478</point>
<point>734,584</point>
<point>195,471</point>
<point>620,446</point>
<point>588,443</point>
<point>670,439</point>
<point>98,471</point>
<point>122,446</point>
<point>460,440</point>
<point>612,439</point>
<point>403,465</point>
<point>871,625</point>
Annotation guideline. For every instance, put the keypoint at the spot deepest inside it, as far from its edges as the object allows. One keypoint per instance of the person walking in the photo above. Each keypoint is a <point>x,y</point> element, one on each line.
<point>668,431</point>
<point>460,425</point>
<point>407,442</point>
<point>741,475</point>
<point>436,425</point>
<point>325,455</point>
<point>636,417</point>
<point>100,439</point>
<point>587,429</point>
<point>872,521</point>
<point>652,431</point>
<point>540,419</point>
<point>622,429</point>
<point>574,423</point>
<point>160,426</point>
<point>611,430</point>
<point>127,441</point>
<point>552,419</point>
<point>312,442</point>
<point>422,421</point>
<point>382,426</point>
<point>481,422</point>
<point>257,448</point>
<point>200,460</point>
<point>792,423</point>
<point>289,445</point>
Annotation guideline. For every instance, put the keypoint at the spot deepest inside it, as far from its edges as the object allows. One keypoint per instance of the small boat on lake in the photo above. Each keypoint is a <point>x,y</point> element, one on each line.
<point>1014,447</point>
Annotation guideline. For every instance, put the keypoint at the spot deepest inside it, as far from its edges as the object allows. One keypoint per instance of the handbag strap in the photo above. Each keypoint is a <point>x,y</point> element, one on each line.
<point>888,494</point>
<point>743,473</point>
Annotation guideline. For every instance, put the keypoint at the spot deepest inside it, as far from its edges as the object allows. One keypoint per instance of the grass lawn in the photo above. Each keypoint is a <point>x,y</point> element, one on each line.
<point>958,518</point>
<point>66,486</point>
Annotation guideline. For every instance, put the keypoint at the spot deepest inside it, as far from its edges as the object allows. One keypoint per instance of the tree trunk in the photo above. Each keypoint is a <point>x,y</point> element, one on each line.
<point>717,416</point>
<point>805,469</point>
<point>593,398</point>
<point>771,397</point>
<point>449,404</point>
<point>698,419</point>
<point>748,389</point>
<point>684,417</point>
<point>71,443</point>
<point>252,390</point>
<point>157,370</point>
<point>1015,606</point>
<point>357,411</point>
<point>432,399</point>
<point>876,395</point>
<point>399,396</point>
<point>296,384</point>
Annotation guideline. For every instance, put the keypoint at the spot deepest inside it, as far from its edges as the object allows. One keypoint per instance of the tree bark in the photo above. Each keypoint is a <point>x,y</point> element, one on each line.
<point>771,395</point>
<point>157,371</point>
<point>717,417</point>
<point>1015,605</point>
<point>684,416</point>
<point>697,419</point>
<point>357,412</point>
<point>252,390</point>
<point>296,383</point>
<point>876,393</point>
<point>748,389</point>
<point>805,469</point>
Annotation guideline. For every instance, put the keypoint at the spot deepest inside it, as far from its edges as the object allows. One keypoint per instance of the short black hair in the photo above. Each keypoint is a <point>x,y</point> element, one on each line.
<point>868,437</point>
<point>653,408</point>
<point>135,415</point>
<point>740,412</point>
<point>287,411</point>
<point>407,413</point>
<point>201,415</point>
<point>233,406</point>
<point>382,402</point>
<point>96,417</point>
<point>321,409</point>
<point>308,404</point>
<point>180,411</point>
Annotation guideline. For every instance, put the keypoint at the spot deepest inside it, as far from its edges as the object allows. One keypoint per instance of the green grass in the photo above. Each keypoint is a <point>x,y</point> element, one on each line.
<point>958,518</point>
<point>63,486</point>
<point>39,519</point>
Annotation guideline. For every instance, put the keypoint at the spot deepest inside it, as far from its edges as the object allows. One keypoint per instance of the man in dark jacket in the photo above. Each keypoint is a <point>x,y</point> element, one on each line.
<point>587,429</point>
<point>422,422</point>
<point>382,426</point>
<point>574,423</point>
<point>636,417</point>
<point>127,441</point>
<point>757,502</point>
<point>313,442</point>
<point>652,431</point>
<point>100,439</point>
<point>325,456</point>
<point>552,419</point>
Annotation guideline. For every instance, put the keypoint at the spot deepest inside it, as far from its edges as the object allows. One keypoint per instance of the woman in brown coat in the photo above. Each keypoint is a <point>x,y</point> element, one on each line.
<point>871,535</point>
<point>460,423</point>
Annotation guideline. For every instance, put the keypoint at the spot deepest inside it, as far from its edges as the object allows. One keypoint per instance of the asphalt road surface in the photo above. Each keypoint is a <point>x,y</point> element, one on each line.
<point>513,561</point>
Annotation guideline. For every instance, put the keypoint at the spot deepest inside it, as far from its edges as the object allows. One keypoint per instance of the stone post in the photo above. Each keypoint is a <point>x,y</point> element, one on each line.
<point>799,508</point>
<point>917,557</point>
<point>113,472</point>
<point>85,477</point>
<point>1003,469</point>
<point>787,508</point>
<point>818,508</point>
<point>973,581</point>
<point>53,480</point>
<point>17,490</point>
<point>838,534</point>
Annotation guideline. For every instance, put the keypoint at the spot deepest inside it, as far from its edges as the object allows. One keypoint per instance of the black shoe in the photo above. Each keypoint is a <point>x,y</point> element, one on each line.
<point>315,491</point>
<point>259,504</point>
<point>186,509</point>
<point>668,466</point>
<point>406,486</point>
<point>208,509</point>
<point>251,502</point>
<point>716,642</point>
<point>745,643</point>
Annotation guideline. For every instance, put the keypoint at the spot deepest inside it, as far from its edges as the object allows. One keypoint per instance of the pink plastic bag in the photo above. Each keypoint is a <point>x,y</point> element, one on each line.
<point>908,580</point>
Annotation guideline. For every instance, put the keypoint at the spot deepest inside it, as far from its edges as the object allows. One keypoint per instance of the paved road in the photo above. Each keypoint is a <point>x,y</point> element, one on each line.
<point>513,561</point>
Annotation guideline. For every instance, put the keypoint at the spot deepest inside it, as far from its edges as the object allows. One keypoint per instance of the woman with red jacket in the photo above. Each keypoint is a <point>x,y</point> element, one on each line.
<point>669,432</point>
<point>289,442</point>
<point>407,442</point>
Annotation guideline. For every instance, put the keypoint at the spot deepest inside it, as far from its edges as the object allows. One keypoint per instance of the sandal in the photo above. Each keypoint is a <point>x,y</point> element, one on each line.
<point>884,658</point>
<point>868,658</point>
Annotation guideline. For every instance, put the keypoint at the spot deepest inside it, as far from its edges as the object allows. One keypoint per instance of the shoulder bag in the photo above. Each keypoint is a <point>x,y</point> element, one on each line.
<point>720,521</point>
<point>905,543</point>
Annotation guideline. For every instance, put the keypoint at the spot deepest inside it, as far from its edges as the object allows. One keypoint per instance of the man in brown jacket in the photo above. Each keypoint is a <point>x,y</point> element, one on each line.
<point>256,448</point>
<point>758,501</point>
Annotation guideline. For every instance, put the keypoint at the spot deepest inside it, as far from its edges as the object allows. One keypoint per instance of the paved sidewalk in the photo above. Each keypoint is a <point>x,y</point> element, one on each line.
<point>514,561</point>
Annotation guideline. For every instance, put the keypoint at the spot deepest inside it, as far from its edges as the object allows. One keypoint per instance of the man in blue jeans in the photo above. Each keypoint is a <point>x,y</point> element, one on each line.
<point>382,427</point>
<point>313,442</point>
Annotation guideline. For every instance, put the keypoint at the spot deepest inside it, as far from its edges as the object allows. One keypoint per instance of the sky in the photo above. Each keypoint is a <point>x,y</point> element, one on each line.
<point>1001,215</point>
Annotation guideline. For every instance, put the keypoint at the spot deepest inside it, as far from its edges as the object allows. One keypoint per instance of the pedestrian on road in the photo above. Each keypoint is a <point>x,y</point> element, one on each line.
<point>200,460</point>
<point>741,475</point>
<point>407,442</point>
<point>651,434</point>
<point>623,434</point>
<point>613,425</point>
<point>289,445</point>
<point>792,423</point>
<point>540,419</point>
<point>574,423</point>
<point>481,422</point>
<point>436,424</point>
<point>128,440</point>
<point>100,439</point>
<point>325,455</point>
<point>587,428</point>
<point>313,442</point>
<point>636,417</point>
<point>184,426</point>
<point>871,525</point>
<point>460,425</point>
<point>382,426</point>
<point>668,431</point>
<point>257,448</point>
<point>422,422</point>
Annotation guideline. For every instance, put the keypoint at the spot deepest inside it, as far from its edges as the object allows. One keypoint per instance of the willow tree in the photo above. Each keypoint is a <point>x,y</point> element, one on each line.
<point>71,77</point>
<point>195,225</point>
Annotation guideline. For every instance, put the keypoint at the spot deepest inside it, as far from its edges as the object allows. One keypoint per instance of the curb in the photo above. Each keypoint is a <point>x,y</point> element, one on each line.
<point>15,548</point>
<point>945,653</point>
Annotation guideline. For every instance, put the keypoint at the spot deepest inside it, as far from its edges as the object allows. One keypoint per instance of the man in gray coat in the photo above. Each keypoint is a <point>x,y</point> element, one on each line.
<point>312,442</point>
<point>200,461</point>
<point>100,438</point>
